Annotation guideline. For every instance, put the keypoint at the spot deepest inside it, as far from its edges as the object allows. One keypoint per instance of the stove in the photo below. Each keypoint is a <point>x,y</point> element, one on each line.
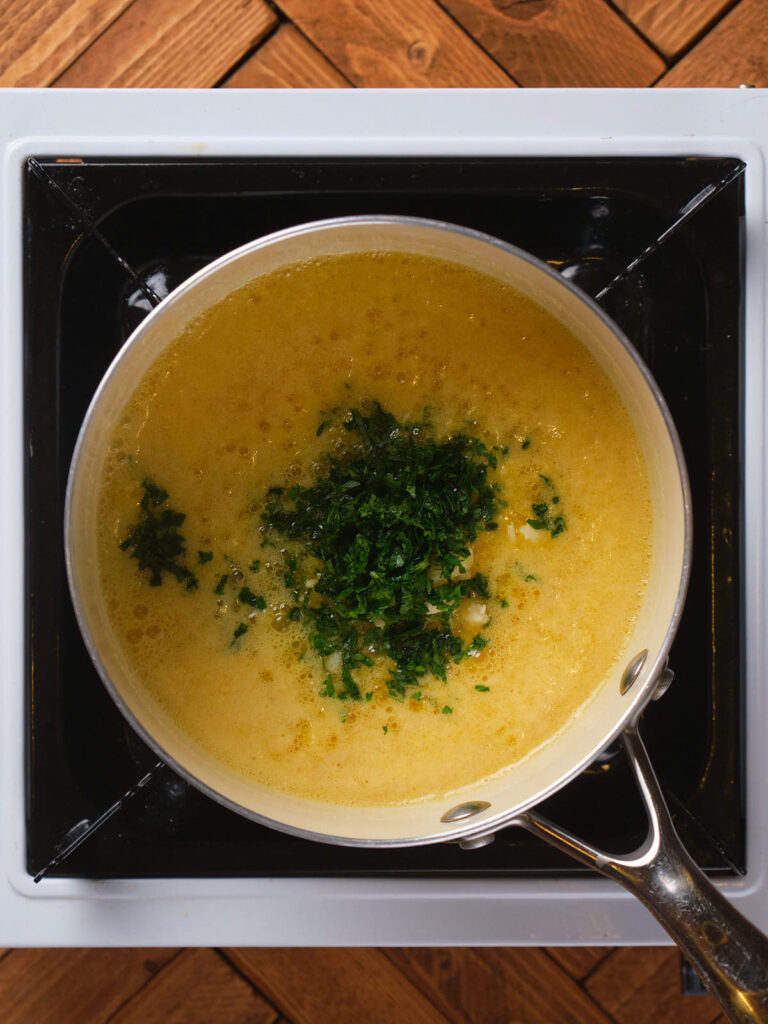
<point>652,201</point>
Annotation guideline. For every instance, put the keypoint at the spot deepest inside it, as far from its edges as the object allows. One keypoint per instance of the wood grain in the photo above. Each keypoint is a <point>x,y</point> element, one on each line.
<point>559,42</point>
<point>394,43</point>
<point>171,43</point>
<point>73,986</point>
<point>671,25</point>
<point>199,987</point>
<point>735,52</point>
<point>39,40</point>
<point>579,961</point>
<point>642,986</point>
<point>286,61</point>
<point>497,986</point>
<point>335,986</point>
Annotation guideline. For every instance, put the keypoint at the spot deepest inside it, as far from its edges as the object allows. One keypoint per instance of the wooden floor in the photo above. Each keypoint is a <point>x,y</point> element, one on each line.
<point>367,43</point>
<point>348,986</point>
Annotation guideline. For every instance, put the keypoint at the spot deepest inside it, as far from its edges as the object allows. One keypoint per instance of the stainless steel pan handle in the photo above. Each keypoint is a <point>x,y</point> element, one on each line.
<point>727,951</point>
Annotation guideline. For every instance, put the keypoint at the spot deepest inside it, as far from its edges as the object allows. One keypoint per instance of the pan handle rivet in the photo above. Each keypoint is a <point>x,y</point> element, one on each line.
<point>477,843</point>
<point>461,811</point>
<point>663,684</point>
<point>632,671</point>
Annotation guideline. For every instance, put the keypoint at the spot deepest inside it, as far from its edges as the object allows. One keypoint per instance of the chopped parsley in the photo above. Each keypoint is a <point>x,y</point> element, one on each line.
<point>240,630</point>
<point>327,689</point>
<point>246,596</point>
<point>545,515</point>
<point>389,518</point>
<point>204,556</point>
<point>219,588</point>
<point>155,541</point>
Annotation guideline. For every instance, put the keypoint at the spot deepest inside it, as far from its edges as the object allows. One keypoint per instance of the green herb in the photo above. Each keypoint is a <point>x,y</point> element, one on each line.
<point>385,729</point>
<point>240,629</point>
<point>255,565</point>
<point>546,518</point>
<point>204,556</point>
<point>526,443</point>
<point>153,494</point>
<point>219,588</point>
<point>327,689</point>
<point>504,602</point>
<point>246,596</point>
<point>482,689</point>
<point>155,540</point>
<point>525,574</point>
<point>294,613</point>
<point>291,562</point>
<point>390,519</point>
<point>446,710</point>
<point>478,643</point>
<point>548,521</point>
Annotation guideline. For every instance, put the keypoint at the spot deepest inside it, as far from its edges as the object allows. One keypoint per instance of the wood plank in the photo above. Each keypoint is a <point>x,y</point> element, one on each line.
<point>642,986</point>
<point>199,987</point>
<point>286,61</point>
<point>550,43</point>
<point>733,53</point>
<point>671,25</point>
<point>394,43</point>
<point>335,986</point>
<point>171,43</point>
<point>579,961</point>
<point>497,986</point>
<point>39,40</point>
<point>70,986</point>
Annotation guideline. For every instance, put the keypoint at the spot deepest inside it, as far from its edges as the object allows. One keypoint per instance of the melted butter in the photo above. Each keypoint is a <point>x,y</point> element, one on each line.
<point>233,406</point>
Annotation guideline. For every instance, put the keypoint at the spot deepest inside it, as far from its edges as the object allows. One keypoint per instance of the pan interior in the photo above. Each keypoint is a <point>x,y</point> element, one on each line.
<point>545,769</point>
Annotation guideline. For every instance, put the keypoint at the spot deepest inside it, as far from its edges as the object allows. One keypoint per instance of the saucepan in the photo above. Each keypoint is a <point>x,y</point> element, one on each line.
<point>729,953</point>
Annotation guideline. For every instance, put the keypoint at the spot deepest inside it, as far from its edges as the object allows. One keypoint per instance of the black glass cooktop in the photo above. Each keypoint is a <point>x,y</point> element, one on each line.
<point>103,236</point>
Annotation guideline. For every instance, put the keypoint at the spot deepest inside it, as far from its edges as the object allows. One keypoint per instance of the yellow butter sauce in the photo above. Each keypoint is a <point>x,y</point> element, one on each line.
<point>233,406</point>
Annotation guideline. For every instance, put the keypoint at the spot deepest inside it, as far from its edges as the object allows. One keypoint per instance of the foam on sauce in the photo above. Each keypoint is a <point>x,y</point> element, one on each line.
<point>233,406</point>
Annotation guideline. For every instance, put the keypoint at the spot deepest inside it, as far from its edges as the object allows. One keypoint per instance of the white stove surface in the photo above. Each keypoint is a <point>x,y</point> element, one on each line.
<point>284,912</point>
